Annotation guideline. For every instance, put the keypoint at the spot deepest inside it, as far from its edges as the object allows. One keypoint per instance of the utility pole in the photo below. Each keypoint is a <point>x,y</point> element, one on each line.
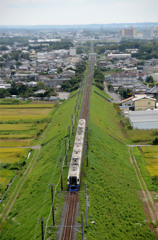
<point>87,153</point>
<point>65,153</point>
<point>69,136</point>
<point>61,166</point>
<point>72,124</point>
<point>89,206</point>
<point>87,145</point>
<point>52,194</point>
<point>86,203</point>
<point>75,116</point>
<point>89,120</point>
<point>42,229</point>
<point>82,226</point>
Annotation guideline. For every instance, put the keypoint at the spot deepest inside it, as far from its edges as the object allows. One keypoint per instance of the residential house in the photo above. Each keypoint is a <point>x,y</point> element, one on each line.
<point>144,103</point>
<point>127,104</point>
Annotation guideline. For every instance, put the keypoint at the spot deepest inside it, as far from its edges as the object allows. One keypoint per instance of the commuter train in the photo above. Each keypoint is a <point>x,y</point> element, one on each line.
<point>73,180</point>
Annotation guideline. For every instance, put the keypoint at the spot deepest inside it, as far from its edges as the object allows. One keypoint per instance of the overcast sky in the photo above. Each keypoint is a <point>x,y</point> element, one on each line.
<point>54,12</point>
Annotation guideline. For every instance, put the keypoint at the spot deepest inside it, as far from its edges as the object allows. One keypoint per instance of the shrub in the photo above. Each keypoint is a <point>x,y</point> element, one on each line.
<point>155,141</point>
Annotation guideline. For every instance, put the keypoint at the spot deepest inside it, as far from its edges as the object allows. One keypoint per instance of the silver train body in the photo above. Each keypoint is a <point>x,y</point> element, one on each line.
<point>73,180</point>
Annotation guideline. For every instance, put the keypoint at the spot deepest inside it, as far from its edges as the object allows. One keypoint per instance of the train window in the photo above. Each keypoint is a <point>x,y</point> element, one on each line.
<point>73,180</point>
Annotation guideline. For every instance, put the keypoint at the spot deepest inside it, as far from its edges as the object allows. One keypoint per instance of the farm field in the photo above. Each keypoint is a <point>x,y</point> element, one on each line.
<point>8,114</point>
<point>151,156</point>
<point>115,205</point>
<point>20,126</point>
<point>29,105</point>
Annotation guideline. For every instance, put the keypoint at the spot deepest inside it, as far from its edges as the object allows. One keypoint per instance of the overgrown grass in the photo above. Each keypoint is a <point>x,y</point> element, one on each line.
<point>142,136</point>
<point>111,181</point>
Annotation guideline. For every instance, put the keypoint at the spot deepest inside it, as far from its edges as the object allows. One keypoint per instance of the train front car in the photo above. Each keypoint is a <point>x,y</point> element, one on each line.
<point>74,177</point>
<point>73,180</point>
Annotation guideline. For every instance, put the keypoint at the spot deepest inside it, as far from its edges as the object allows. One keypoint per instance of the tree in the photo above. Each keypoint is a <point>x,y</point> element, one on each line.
<point>12,67</point>
<point>13,91</point>
<point>40,85</point>
<point>140,79</point>
<point>3,93</point>
<point>59,70</point>
<point>149,79</point>
<point>18,64</point>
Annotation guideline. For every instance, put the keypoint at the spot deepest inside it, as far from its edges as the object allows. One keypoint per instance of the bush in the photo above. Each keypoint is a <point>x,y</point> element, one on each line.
<point>155,141</point>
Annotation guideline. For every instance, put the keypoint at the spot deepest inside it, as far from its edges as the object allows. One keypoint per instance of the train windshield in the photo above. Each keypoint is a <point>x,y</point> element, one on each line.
<point>73,180</point>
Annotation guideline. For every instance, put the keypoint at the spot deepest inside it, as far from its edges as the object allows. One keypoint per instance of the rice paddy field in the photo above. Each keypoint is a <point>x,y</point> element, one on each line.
<point>151,155</point>
<point>20,126</point>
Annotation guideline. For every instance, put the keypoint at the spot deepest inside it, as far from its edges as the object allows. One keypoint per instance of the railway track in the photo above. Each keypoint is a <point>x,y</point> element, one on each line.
<point>73,198</point>
<point>85,107</point>
<point>70,215</point>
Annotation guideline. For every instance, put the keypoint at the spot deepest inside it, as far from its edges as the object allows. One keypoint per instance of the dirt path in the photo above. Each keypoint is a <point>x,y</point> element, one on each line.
<point>147,197</point>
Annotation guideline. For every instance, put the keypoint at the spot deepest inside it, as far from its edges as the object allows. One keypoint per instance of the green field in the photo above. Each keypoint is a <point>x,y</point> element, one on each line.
<point>114,202</point>
<point>142,136</point>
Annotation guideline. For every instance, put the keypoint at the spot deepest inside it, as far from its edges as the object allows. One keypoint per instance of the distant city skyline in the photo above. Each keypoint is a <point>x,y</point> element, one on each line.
<point>71,12</point>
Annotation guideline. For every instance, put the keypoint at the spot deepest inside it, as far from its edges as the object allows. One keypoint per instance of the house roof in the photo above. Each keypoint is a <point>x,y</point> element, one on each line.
<point>40,91</point>
<point>127,99</point>
<point>139,98</point>
<point>153,90</point>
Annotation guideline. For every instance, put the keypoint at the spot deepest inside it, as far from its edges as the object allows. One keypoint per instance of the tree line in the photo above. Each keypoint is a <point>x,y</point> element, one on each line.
<point>74,82</point>
<point>98,78</point>
<point>147,49</point>
<point>24,91</point>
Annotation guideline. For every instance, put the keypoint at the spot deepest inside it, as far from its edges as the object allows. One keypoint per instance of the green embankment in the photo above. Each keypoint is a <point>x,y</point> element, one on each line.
<point>114,202</point>
<point>34,200</point>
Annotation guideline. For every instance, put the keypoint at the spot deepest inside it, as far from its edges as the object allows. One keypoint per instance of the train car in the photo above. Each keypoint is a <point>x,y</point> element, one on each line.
<point>73,180</point>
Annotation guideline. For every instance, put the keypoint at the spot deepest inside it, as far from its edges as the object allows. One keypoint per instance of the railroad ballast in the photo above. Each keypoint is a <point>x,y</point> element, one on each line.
<point>73,179</point>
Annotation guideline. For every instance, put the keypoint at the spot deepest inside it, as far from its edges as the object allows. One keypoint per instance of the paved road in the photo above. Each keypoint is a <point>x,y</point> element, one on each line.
<point>116,97</point>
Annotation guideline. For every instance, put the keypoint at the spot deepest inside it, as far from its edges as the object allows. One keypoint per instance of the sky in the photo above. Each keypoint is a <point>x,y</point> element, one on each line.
<point>69,12</point>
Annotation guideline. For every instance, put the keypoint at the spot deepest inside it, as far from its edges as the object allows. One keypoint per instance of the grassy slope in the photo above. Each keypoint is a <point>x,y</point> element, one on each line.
<point>34,200</point>
<point>115,205</point>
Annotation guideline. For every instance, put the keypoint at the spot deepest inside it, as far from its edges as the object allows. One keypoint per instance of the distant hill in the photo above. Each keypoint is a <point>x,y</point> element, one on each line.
<point>82,26</point>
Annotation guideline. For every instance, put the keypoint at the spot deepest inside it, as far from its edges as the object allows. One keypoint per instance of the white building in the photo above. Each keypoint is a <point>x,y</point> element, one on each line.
<point>119,55</point>
<point>72,51</point>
